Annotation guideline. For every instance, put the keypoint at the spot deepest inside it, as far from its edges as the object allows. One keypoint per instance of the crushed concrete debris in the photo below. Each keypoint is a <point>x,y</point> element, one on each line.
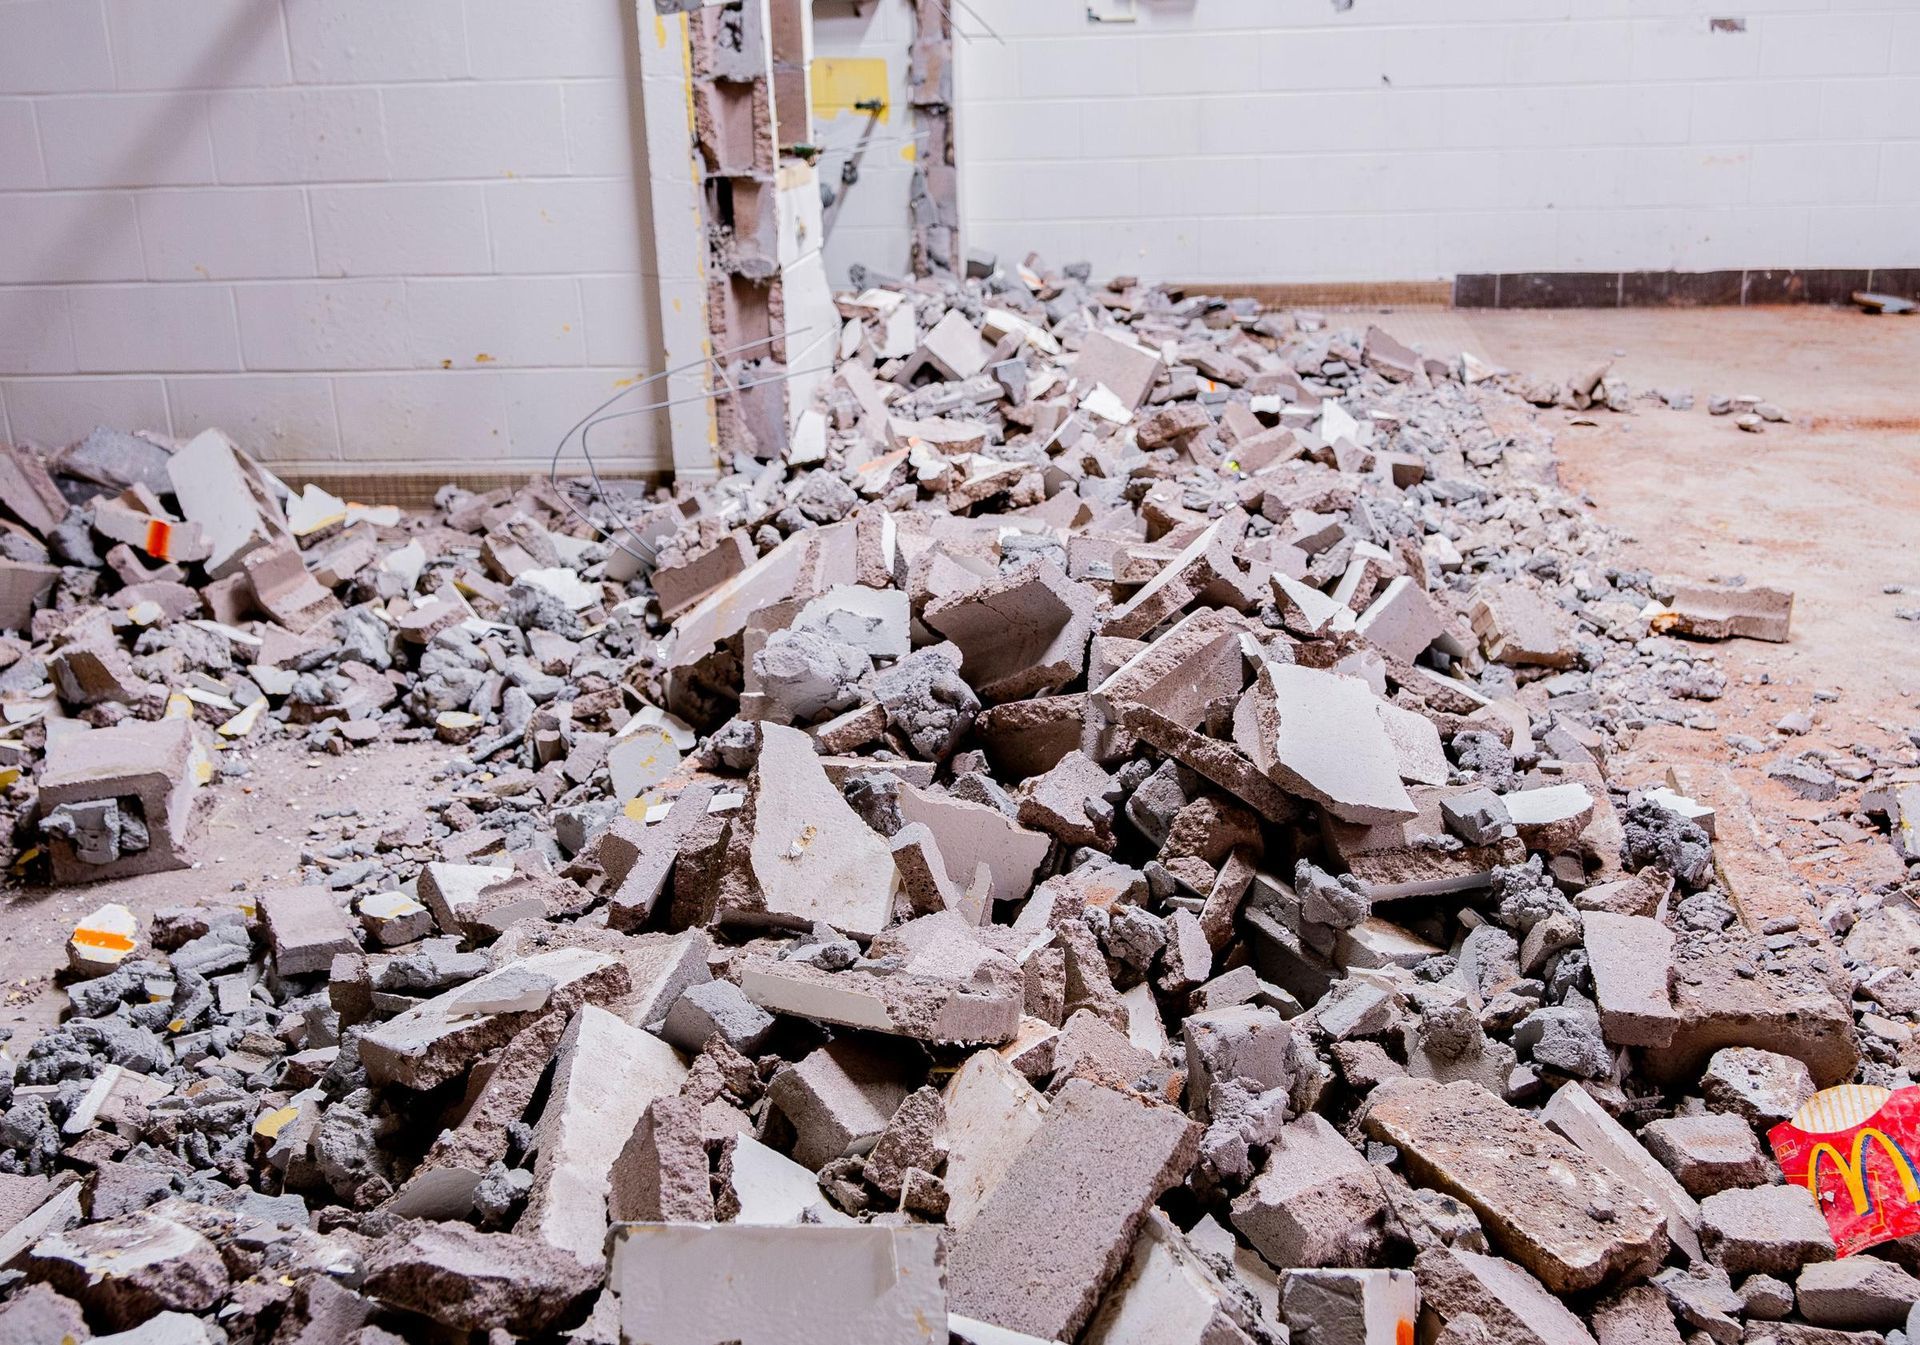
<point>1119,835</point>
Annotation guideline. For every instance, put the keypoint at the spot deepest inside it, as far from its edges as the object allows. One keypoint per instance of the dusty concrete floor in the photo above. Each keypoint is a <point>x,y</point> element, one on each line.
<point>1828,506</point>
<point>252,835</point>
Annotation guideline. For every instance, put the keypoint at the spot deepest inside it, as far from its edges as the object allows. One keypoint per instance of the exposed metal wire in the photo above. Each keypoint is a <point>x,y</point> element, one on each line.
<point>581,426</point>
<point>947,9</point>
<point>830,151</point>
<point>641,550</point>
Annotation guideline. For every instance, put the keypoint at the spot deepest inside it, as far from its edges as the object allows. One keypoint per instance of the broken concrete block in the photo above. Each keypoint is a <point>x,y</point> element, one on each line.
<point>148,528</point>
<point>661,1174</point>
<point>1350,1307</point>
<point>1070,803</point>
<point>813,859</point>
<point>1768,1230</point>
<point>1417,753</point>
<point>1545,1215</point>
<point>953,348</point>
<point>227,494</point>
<point>766,1187</point>
<point>1631,957</point>
<point>147,771</point>
<point>1207,559</point>
<point>474,1281</point>
<point>899,1001</point>
<point>678,587</point>
<point>1196,662</point>
<point>1789,1005</point>
<point>27,491</point>
<point>1477,815</point>
<point>393,918</point>
<point>873,620</point>
<point>1856,1293</point>
<point>1518,626</point>
<point>1573,1112</point>
<point>285,589</point>
<point>24,586</point>
<point>1315,1203</point>
<point>1761,1086</point>
<point>1708,1153</point>
<point>838,1099</point>
<point>1238,1042</point>
<point>1020,635</point>
<point>639,758</point>
<point>126,1270</point>
<point>39,1313</point>
<point>442,1037</point>
<point>1727,613</point>
<point>305,928</point>
<point>716,1008</point>
<point>924,885</point>
<point>608,1073</point>
<point>992,1112</point>
<point>1168,1295</point>
<point>971,834</point>
<point>95,671</point>
<point>1123,368</point>
<point>865,1285</point>
<point>1090,1047</point>
<point>1637,1315</point>
<point>1319,735</point>
<point>1511,1305</point>
<point>474,898</point>
<point>440,610</point>
<point>1401,622</point>
<point>1550,818</point>
<point>913,1140</point>
<point>638,859</point>
<point>1042,1248</point>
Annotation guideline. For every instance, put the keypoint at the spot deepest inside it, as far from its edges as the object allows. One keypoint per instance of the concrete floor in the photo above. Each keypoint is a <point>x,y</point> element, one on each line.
<point>1828,506</point>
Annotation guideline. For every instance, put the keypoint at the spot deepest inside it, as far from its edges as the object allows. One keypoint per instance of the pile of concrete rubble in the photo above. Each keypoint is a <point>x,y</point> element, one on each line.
<point>1108,838</point>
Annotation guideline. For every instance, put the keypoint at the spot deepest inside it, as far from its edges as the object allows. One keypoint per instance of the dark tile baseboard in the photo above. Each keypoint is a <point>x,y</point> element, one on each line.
<point>1675,289</point>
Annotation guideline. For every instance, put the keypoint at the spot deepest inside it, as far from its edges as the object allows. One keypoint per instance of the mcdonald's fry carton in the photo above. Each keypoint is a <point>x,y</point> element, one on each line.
<point>1853,1146</point>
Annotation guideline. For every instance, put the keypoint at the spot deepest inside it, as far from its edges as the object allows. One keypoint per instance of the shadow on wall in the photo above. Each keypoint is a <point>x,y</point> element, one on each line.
<point>253,26</point>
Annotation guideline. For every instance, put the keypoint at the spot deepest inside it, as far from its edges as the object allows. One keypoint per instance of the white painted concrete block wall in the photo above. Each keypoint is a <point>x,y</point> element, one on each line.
<point>1285,140</point>
<point>381,232</point>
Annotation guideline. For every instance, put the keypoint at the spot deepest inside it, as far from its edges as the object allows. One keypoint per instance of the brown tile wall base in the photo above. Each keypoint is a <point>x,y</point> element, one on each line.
<point>415,489</point>
<point>1333,293</point>
<point>1675,289</point>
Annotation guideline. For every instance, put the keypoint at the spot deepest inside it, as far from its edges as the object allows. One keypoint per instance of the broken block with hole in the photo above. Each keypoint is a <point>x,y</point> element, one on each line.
<point>140,778</point>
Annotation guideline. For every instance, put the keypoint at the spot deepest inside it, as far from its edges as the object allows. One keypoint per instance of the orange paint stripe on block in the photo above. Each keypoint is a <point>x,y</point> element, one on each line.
<point>159,538</point>
<point>101,938</point>
<point>1403,1332</point>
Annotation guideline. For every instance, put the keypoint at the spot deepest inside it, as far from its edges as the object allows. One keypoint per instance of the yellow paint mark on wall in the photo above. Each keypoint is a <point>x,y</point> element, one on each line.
<point>910,151</point>
<point>839,82</point>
